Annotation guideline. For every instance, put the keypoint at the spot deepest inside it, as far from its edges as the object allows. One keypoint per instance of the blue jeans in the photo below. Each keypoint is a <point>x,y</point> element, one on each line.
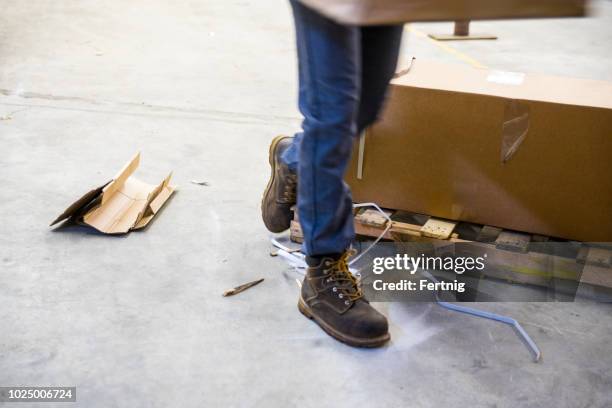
<point>343,76</point>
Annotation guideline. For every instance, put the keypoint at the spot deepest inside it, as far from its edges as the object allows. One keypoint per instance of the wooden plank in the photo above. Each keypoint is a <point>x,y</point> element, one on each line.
<point>436,228</point>
<point>513,241</point>
<point>406,228</point>
<point>595,256</point>
<point>370,231</point>
<point>372,218</point>
<point>488,234</point>
<point>596,276</point>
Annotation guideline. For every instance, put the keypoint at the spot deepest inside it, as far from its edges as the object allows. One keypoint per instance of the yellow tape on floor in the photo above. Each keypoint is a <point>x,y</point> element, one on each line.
<point>446,48</point>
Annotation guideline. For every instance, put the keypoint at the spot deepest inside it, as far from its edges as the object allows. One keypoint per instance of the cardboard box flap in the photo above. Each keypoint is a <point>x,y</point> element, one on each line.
<point>156,200</point>
<point>121,210</point>
<point>75,208</point>
<point>120,178</point>
<point>512,85</point>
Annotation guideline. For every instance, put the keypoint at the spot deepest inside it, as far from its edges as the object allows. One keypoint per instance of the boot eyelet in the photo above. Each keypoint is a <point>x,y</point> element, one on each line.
<point>335,289</point>
<point>346,302</point>
<point>340,296</point>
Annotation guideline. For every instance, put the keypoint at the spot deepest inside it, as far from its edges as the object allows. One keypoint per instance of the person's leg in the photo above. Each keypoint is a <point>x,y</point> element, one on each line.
<point>281,192</point>
<point>330,77</point>
<point>326,52</point>
<point>330,81</point>
<point>380,49</point>
<point>330,64</point>
<point>291,155</point>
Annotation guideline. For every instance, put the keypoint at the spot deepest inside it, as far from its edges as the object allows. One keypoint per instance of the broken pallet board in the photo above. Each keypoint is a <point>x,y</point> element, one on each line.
<point>507,247</point>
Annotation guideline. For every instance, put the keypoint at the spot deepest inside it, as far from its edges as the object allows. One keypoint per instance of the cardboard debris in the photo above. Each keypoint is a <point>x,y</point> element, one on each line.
<point>123,204</point>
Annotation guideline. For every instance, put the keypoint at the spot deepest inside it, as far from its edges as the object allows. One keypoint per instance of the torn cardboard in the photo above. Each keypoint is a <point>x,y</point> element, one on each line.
<point>518,151</point>
<point>123,204</point>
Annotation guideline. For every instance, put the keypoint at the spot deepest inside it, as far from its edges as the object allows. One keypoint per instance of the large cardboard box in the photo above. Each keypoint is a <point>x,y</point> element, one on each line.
<point>526,152</point>
<point>368,12</point>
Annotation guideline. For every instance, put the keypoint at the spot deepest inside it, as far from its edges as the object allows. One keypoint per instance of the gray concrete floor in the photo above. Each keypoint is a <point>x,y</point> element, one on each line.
<point>200,87</point>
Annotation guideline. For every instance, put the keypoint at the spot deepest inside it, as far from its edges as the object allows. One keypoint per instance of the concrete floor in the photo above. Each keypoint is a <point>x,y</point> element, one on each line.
<point>200,87</point>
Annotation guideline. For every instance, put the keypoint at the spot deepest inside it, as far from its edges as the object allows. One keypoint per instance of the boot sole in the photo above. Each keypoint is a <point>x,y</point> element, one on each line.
<point>344,338</point>
<point>272,161</point>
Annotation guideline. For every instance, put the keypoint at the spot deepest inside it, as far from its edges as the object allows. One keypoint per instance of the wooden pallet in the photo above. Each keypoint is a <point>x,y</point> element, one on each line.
<point>591,264</point>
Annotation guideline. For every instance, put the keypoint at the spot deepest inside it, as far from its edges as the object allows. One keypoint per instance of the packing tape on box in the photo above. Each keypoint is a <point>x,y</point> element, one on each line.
<point>514,131</point>
<point>361,152</point>
<point>514,128</point>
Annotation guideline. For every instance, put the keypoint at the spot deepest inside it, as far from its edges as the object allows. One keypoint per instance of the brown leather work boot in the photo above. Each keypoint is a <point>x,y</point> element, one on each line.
<point>281,191</point>
<point>331,296</point>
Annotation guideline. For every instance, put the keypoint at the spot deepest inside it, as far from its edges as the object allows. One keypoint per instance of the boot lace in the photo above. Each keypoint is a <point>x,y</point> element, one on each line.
<point>290,190</point>
<point>348,286</point>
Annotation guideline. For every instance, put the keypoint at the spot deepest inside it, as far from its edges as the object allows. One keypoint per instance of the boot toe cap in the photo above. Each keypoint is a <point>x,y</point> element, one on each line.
<point>368,324</point>
<point>276,218</point>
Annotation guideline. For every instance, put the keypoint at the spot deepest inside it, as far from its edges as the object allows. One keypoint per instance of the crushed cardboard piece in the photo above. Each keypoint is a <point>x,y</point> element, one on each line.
<point>120,205</point>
